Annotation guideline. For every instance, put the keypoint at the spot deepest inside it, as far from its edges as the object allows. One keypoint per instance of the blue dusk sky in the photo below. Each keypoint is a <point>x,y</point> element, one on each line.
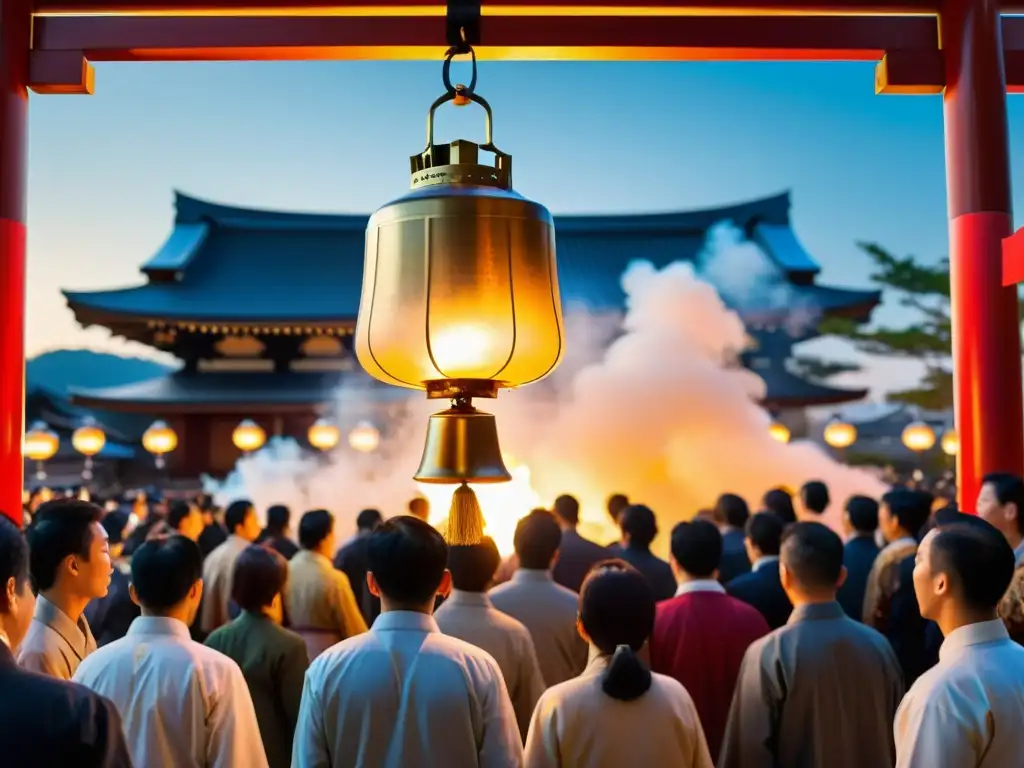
<point>586,137</point>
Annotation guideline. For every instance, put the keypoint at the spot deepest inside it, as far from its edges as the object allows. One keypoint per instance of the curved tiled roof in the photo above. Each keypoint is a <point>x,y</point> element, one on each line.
<point>229,264</point>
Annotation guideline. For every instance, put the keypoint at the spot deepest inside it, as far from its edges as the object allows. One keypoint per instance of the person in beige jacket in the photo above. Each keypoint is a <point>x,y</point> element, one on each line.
<point>319,599</point>
<point>219,566</point>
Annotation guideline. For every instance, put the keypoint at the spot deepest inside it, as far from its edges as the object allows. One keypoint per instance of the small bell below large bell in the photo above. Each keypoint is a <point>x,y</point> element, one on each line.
<point>462,447</point>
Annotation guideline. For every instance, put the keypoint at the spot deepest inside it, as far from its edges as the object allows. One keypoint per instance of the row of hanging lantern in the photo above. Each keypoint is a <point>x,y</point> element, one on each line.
<point>918,436</point>
<point>324,435</point>
<point>41,443</point>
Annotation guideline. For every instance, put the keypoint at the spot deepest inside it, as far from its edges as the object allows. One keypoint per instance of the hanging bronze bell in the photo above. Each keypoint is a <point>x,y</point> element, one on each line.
<point>462,446</point>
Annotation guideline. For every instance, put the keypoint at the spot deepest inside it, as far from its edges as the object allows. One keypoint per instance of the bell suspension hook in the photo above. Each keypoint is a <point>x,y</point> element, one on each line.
<point>460,93</point>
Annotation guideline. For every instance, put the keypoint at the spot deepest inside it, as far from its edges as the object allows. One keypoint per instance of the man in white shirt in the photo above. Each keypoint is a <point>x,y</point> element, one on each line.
<point>183,705</point>
<point>403,695</point>
<point>469,615</point>
<point>548,610</point>
<point>967,711</point>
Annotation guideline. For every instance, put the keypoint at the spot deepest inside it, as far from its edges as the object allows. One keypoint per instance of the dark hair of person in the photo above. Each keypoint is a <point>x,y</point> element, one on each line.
<point>236,513</point>
<point>408,558</point>
<point>177,512</point>
<point>813,554</point>
<point>863,513</point>
<point>60,528</point>
<point>1008,488</point>
<point>616,504</point>
<point>617,613</point>
<point>13,556</point>
<point>259,575</point>
<point>814,495</point>
<point>731,509</point>
<point>164,570</point>
<point>314,527</point>
<point>780,502</point>
<point>639,523</point>
<point>114,523</point>
<point>368,519</point>
<point>765,532</point>
<point>567,508</point>
<point>537,539</point>
<point>473,565</point>
<point>278,517</point>
<point>697,547</point>
<point>910,508</point>
<point>977,558</point>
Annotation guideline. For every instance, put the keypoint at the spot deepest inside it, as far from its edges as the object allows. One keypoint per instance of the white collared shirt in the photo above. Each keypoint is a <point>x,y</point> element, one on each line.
<point>403,695</point>
<point>764,560</point>
<point>699,585</point>
<point>968,710</point>
<point>470,616</point>
<point>182,704</point>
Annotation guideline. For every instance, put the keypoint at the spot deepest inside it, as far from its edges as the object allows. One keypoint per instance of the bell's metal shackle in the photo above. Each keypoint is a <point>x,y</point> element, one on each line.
<point>446,69</point>
<point>488,118</point>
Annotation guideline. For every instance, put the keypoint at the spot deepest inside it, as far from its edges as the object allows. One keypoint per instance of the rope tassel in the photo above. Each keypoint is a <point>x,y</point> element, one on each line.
<point>465,518</point>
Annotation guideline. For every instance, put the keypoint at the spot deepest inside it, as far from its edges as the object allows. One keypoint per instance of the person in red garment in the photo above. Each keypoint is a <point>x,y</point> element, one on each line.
<point>701,634</point>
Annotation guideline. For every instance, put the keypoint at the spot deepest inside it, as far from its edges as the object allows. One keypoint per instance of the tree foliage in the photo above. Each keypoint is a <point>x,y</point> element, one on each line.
<point>925,290</point>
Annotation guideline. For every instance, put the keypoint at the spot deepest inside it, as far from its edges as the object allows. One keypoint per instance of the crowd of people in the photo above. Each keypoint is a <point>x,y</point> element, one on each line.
<point>180,635</point>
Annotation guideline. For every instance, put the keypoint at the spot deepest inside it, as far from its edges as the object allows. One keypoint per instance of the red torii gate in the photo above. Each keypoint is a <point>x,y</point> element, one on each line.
<point>963,49</point>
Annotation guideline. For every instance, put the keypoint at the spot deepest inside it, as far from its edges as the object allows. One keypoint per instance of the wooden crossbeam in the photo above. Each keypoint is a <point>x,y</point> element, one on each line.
<point>113,38</point>
<point>247,38</point>
<point>503,7</point>
<point>905,47</point>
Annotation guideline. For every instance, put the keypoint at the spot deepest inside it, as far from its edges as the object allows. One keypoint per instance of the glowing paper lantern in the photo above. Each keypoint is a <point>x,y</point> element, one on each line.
<point>779,431</point>
<point>918,437</point>
<point>88,439</point>
<point>40,444</point>
<point>248,436</point>
<point>323,435</point>
<point>840,434</point>
<point>365,438</point>
<point>159,440</point>
<point>950,442</point>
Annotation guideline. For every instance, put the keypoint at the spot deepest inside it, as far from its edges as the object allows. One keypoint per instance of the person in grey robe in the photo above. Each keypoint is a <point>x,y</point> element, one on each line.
<point>835,708</point>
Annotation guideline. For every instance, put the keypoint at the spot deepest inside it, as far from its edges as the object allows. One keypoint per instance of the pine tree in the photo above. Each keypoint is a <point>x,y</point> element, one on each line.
<point>924,289</point>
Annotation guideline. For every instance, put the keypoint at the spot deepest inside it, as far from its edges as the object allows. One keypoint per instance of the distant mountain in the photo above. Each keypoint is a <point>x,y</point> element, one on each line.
<point>62,369</point>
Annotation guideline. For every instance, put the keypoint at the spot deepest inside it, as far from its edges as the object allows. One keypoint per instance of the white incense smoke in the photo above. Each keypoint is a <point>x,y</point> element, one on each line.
<point>652,404</point>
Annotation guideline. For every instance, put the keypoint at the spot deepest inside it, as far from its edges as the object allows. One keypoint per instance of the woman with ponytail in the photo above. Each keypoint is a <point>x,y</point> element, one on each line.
<point>617,713</point>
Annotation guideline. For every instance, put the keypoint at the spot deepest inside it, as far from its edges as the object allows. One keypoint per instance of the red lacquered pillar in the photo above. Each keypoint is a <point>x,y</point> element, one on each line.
<point>986,333</point>
<point>15,36</point>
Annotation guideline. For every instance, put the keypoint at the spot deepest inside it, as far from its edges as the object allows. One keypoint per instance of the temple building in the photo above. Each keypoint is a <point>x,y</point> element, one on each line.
<point>260,307</point>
